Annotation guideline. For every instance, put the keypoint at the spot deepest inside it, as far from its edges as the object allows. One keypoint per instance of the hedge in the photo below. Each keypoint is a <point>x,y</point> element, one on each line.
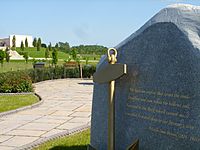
<point>21,81</point>
<point>15,82</point>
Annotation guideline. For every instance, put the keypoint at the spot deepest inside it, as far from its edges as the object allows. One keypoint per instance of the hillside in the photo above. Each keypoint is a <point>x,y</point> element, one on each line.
<point>32,52</point>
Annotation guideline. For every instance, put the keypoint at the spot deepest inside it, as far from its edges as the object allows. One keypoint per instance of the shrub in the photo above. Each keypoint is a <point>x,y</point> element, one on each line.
<point>43,45</point>
<point>21,81</point>
<point>59,72</point>
<point>2,56</point>
<point>88,71</point>
<point>15,82</point>
<point>50,73</point>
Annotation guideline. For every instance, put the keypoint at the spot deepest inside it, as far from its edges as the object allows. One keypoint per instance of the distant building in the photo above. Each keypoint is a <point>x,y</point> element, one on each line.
<point>4,42</point>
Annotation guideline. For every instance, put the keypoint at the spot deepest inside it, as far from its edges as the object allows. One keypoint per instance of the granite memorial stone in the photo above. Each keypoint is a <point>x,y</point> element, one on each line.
<point>158,101</point>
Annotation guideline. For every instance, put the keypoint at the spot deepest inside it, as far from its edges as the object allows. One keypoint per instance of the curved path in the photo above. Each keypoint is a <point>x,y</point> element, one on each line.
<point>67,105</point>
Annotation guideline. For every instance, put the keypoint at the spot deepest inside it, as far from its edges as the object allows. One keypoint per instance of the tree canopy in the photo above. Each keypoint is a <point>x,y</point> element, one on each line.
<point>35,42</point>
<point>22,46</point>
<point>14,42</point>
<point>2,56</point>
<point>90,49</point>
<point>26,42</point>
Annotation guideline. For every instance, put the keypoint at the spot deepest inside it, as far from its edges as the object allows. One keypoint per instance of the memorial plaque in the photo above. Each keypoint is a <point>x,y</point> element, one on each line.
<point>158,101</point>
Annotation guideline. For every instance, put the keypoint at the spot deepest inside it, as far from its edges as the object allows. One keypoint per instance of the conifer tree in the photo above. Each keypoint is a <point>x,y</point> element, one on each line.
<point>26,42</point>
<point>7,54</point>
<point>14,43</point>
<point>35,42</point>
<point>22,46</point>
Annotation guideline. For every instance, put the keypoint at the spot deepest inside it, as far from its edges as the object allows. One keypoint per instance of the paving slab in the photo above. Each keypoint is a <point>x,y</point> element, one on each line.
<point>86,108</point>
<point>26,132</point>
<point>7,148</point>
<point>66,106</point>
<point>4,138</point>
<point>80,120</point>
<point>50,117</point>
<point>37,112</point>
<point>80,114</point>
<point>52,120</point>
<point>70,125</point>
<point>18,141</point>
<point>53,132</point>
<point>62,113</point>
<point>21,117</point>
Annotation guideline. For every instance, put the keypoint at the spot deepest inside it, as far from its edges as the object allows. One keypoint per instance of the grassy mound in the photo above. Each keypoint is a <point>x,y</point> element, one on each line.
<point>32,52</point>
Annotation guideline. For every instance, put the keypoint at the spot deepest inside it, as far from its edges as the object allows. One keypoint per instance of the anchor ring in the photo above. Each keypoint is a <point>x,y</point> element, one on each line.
<point>112,51</point>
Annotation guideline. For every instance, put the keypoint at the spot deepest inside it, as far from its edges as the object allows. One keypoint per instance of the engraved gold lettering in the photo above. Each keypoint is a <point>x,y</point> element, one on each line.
<point>158,93</point>
<point>195,139</point>
<point>138,100</point>
<point>159,102</point>
<point>158,111</point>
<point>161,121</point>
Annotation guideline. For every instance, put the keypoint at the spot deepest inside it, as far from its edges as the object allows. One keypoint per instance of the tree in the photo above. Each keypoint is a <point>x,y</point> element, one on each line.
<point>50,47</point>
<point>86,60</point>
<point>90,49</point>
<point>47,54</point>
<point>74,53</point>
<point>65,47</point>
<point>56,46</point>
<point>7,54</point>
<point>22,46</point>
<point>38,47</point>
<point>35,42</point>
<point>54,57</point>
<point>26,42</point>
<point>14,43</point>
<point>2,56</point>
<point>25,55</point>
<point>43,45</point>
<point>38,44</point>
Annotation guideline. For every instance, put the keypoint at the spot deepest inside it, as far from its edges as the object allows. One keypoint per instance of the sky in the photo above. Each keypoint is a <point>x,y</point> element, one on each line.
<point>101,22</point>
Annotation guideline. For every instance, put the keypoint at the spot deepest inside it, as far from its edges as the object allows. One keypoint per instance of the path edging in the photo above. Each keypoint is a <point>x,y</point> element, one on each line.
<point>22,108</point>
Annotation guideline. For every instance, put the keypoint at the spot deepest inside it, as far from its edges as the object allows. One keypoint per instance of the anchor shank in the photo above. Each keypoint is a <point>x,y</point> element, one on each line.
<point>111,117</point>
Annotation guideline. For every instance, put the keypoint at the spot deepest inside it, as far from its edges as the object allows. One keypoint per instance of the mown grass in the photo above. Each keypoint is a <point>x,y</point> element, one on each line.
<point>32,52</point>
<point>77,141</point>
<point>15,65</point>
<point>11,102</point>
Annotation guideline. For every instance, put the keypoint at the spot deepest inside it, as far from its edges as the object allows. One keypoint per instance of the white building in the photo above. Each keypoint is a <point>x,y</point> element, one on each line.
<point>19,38</point>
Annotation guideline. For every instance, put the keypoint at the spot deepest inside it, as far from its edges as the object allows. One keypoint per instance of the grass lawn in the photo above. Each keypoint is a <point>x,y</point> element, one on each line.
<point>15,65</point>
<point>32,52</point>
<point>77,141</point>
<point>90,56</point>
<point>11,102</point>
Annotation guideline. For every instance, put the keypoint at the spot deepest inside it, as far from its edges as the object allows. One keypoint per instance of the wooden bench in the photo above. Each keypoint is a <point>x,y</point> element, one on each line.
<point>71,65</point>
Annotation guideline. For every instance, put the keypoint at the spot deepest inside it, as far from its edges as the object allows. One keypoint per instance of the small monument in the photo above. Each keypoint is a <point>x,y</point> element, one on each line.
<point>158,101</point>
<point>108,75</point>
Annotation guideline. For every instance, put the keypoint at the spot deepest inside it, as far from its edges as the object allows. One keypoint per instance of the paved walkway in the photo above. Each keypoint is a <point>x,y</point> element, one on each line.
<point>67,105</point>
